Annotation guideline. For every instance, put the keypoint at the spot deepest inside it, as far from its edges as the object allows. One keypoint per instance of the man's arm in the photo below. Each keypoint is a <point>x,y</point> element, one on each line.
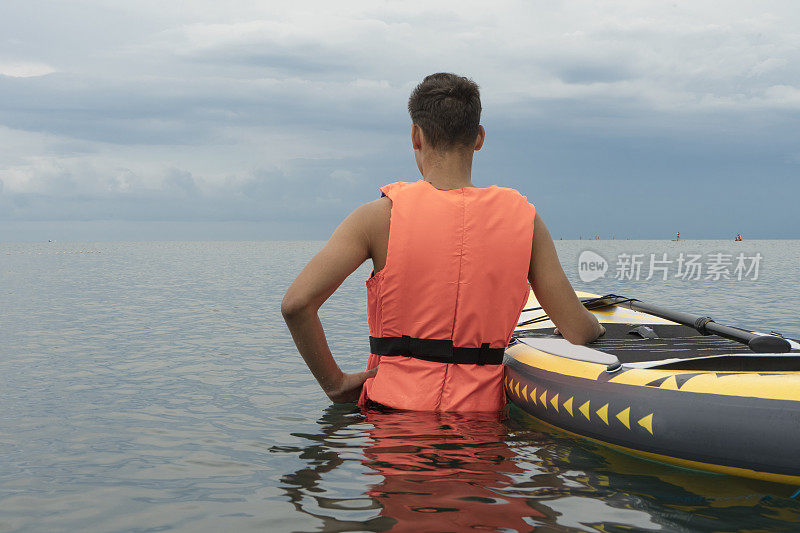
<point>346,250</point>
<point>554,292</point>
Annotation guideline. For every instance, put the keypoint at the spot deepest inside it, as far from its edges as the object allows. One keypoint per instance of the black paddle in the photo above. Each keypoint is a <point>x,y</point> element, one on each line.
<point>703,324</point>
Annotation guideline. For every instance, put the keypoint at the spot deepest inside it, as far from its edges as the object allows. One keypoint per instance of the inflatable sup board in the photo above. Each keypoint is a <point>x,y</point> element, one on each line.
<point>665,390</point>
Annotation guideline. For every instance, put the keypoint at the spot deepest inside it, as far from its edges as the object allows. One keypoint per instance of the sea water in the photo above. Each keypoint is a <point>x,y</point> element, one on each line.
<point>154,387</point>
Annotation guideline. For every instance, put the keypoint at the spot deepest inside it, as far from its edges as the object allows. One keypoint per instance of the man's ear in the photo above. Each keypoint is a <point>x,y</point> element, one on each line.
<point>480,138</point>
<point>416,137</point>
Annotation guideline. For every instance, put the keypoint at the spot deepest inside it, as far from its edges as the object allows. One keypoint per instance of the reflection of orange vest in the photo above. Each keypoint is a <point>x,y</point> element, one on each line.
<point>454,284</point>
<point>445,472</point>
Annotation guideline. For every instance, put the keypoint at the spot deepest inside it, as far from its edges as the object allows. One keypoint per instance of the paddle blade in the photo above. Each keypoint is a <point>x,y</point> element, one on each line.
<point>769,344</point>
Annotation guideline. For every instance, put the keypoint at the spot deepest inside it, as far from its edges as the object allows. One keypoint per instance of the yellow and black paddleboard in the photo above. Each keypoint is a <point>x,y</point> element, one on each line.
<point>663,391</point>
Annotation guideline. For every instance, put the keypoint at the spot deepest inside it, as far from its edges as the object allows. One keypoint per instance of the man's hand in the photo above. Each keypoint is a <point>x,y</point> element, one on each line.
<point>348,388</point>
<point>602,330</point>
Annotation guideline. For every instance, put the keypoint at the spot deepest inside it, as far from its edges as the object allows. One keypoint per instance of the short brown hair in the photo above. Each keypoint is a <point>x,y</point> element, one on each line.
<point>448,109</point>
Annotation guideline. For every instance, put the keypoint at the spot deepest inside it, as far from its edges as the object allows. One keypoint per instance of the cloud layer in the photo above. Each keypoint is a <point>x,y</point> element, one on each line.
<point>273,111</point>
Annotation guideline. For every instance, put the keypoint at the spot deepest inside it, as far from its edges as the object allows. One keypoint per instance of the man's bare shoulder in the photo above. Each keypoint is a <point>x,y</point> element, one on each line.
<point>374,212</point>
<point>372,221</point>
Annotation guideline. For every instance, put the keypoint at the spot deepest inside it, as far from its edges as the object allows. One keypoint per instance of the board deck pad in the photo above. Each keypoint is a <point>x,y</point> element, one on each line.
<point>673,342</point>
<point>673,345</point>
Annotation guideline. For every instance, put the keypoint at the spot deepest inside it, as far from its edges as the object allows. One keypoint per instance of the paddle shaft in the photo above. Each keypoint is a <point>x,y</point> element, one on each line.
<point>705,325</point>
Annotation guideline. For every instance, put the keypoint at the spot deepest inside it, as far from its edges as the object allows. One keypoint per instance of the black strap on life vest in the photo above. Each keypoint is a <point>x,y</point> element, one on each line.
<point>438,351</point>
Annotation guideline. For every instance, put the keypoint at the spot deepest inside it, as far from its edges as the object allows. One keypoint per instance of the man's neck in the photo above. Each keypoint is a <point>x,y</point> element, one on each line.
<point>449,170</point>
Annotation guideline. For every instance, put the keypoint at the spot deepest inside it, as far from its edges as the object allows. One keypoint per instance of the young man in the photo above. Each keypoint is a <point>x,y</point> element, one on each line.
<point>452,264</point>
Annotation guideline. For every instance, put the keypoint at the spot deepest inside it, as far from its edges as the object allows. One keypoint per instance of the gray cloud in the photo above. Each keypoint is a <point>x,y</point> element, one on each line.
<point>265,112</point>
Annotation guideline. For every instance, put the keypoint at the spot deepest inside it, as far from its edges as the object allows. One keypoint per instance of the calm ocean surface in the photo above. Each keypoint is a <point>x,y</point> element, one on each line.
<point>153,387</point>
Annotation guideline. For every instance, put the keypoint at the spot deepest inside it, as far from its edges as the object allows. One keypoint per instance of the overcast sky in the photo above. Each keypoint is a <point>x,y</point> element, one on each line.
<point>267,119</point>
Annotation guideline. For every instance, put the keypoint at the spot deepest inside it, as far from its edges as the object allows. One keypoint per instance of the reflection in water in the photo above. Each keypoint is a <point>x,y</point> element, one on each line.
<point>674,498</point>
<point>442,472</point>
<point>430,472</point>
<point>405,471</point>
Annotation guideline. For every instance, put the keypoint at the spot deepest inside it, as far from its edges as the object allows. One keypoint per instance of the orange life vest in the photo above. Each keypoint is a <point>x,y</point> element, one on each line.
<point>453,288</point>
